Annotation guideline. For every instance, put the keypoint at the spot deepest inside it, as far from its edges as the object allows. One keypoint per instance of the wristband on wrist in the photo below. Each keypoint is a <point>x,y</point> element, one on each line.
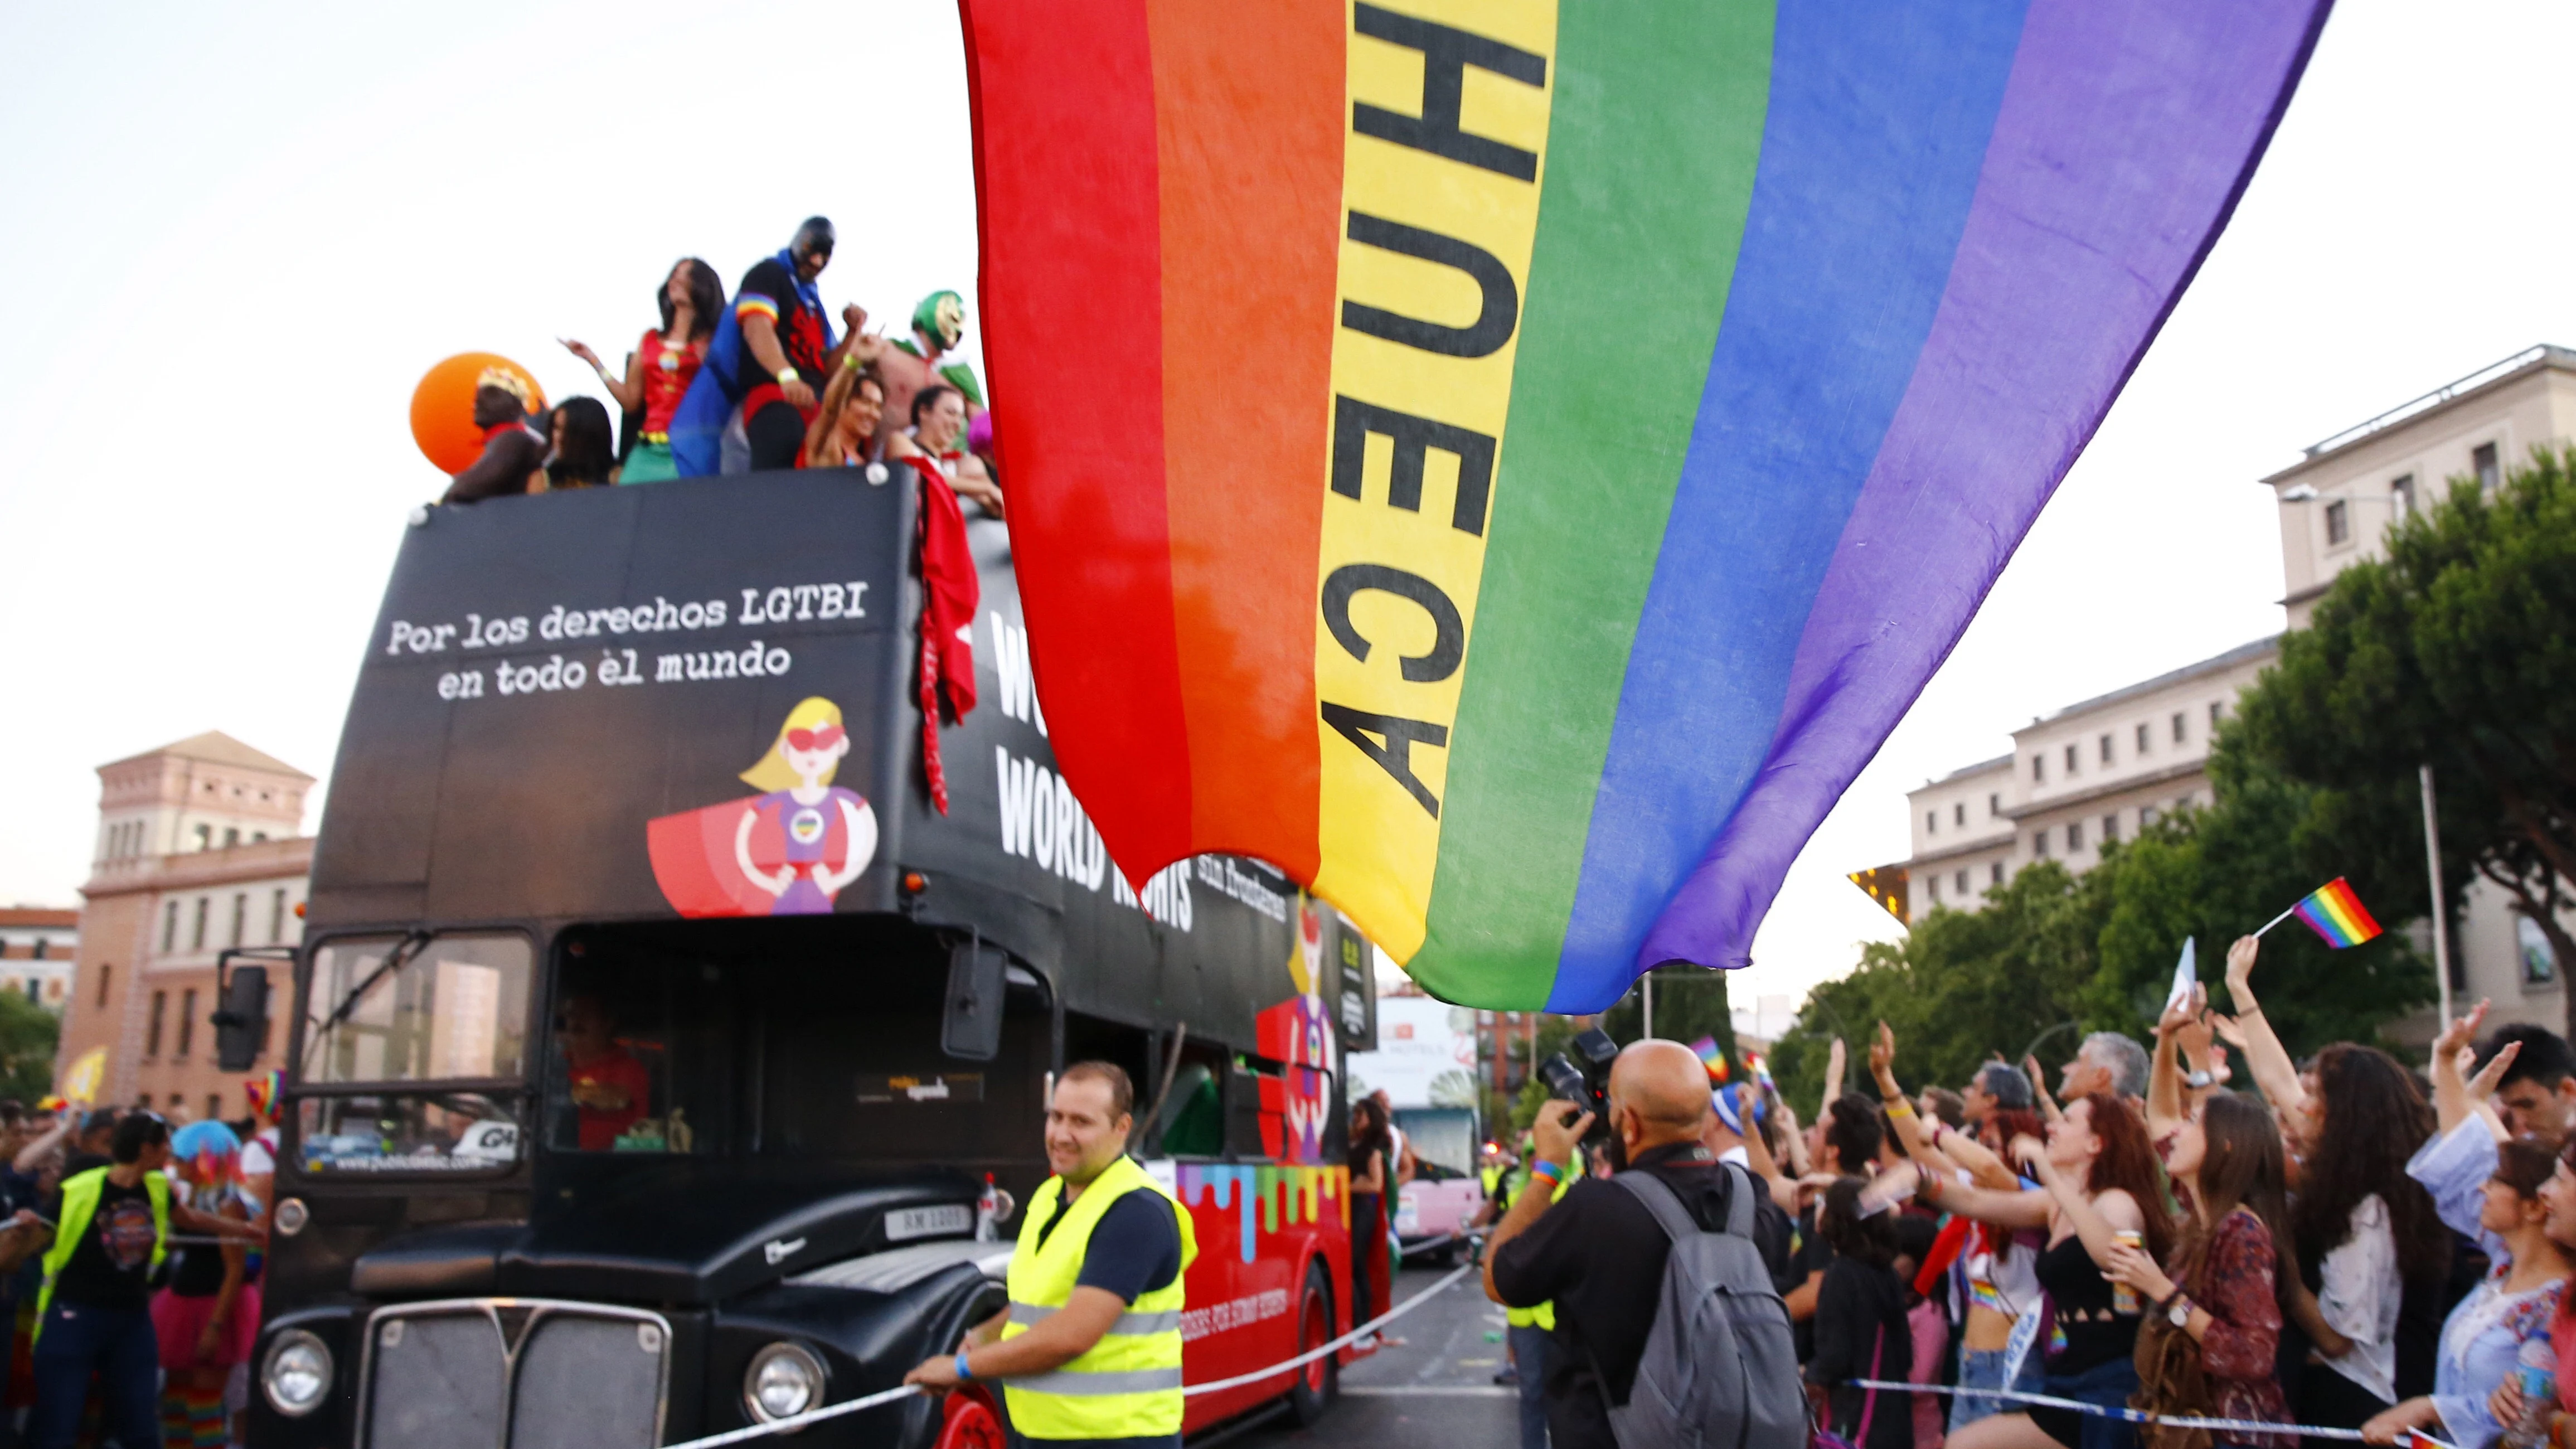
<point>786,375</point>
<point>1548,1170</point>
<point>963,1373</point>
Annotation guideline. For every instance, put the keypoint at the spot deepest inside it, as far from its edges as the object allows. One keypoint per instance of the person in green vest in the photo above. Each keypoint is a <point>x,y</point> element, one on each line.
<point>94,1315</point>
<point>1528,1331</point>
<point>1089,1347</point>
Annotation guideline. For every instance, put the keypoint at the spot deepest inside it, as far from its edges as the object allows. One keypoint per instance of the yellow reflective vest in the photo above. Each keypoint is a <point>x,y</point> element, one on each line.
<point>1128,1385</point>
<point>1544,1315</point>
<point>80,1204</point>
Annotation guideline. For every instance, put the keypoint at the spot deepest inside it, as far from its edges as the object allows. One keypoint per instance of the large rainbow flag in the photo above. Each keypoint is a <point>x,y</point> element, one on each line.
<point>1511,463</point>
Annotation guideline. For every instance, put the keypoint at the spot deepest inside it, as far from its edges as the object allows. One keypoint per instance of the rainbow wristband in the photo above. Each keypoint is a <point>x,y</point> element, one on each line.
<point>963,1373</point>
<point>1549,1170</point>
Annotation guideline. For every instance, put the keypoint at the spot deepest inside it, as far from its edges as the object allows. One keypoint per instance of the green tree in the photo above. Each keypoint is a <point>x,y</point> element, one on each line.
<point>2454,651</point>
<point>1690,1003</point>
<point>28,1037</point>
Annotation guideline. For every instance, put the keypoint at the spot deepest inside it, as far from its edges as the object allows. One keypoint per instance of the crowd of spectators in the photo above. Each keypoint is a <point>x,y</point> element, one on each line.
<point>2338,1242</point>
<point>147,1326</point>
<point>758,384</point>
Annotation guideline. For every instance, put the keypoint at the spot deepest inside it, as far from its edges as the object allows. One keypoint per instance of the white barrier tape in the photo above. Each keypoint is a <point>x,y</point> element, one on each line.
<point>2134,1416</point>
<point>834,1411</point>
<point>799,1421</point>
<point>1354,1336</point>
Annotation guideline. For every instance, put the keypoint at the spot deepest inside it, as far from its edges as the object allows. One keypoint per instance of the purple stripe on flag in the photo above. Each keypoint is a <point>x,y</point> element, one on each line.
<point>2128,130</point>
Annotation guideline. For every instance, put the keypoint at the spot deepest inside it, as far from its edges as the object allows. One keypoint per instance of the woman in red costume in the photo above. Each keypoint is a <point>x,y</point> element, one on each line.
<point>663,364</point>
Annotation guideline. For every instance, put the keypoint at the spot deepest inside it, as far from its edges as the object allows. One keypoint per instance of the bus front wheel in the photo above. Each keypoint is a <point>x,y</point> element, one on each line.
<point>970,1423</point>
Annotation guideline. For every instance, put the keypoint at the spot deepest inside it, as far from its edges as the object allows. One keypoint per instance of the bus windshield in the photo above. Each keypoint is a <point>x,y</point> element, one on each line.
<point>454,1009</point>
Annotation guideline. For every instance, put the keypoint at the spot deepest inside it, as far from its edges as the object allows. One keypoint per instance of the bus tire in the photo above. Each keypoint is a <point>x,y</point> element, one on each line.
<point>1318,1382</point>
<point>968,1421</point>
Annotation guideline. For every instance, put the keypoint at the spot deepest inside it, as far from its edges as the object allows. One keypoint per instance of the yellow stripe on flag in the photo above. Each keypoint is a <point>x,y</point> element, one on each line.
<point>1439,216</point>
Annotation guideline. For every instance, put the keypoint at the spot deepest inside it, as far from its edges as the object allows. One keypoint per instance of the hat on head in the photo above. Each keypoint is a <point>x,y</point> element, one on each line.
<point>941,315</point>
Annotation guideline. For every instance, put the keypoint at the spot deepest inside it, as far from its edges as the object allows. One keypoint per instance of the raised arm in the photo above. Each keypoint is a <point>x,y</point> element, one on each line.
<point>2027,1208</point>
<point>2048,1112</point>
<point>2097,1221</point>
<point>628,390</point>
<point>1988,1169</point>
<point>827,417</point>
<point>2457,1096</point>
<point>1833,1078</point>
<point>2274,1072</point>
<point>2165,1106</point>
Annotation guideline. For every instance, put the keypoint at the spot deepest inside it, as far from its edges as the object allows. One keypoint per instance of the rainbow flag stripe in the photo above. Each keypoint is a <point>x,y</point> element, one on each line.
<point>1511,462</point>
<point>2334,912</point>
<point>1711,1058</point>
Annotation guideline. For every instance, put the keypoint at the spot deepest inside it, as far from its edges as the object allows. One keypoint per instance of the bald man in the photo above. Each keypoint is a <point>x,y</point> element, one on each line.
<point>1597,1253</point>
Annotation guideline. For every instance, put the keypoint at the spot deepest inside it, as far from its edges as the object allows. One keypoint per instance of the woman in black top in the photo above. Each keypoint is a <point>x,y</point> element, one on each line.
<point>1371,1154</point>
<point>1861,1330</point>
<point>2097,1176</point>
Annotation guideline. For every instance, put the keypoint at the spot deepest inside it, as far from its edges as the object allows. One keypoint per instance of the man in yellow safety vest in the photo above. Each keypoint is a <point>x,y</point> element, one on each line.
<point>1090,1346</point>
<point>93,1314</point>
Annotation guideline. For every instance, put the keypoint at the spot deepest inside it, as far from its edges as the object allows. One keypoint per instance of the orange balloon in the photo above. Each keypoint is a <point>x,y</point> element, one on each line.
<point>442,408</point>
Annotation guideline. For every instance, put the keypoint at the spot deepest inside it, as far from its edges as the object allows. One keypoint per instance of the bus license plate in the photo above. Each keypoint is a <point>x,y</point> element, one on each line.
<point>922,1222</point>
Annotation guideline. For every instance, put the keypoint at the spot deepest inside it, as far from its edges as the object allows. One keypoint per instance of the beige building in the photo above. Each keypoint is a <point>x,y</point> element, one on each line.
<point>2096,771</point>
<point>199,849</point>
<point>2089,774</point>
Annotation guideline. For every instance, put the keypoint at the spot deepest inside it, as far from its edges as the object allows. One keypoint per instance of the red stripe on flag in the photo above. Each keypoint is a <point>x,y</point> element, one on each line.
<point>1066,183</point>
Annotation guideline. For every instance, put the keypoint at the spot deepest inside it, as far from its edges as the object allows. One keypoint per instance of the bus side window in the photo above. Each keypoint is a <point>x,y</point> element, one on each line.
<point>1193,1119</point>
<point>1256,1122</point>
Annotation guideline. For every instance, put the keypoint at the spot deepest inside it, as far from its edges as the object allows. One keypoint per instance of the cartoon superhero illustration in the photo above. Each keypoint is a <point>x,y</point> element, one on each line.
<point>787,851</point>
<point>1299,1032</point>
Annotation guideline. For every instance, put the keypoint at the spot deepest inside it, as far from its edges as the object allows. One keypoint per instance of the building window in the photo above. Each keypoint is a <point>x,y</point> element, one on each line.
<point>2072,756</point>
<point>2111,828</point>
<point>241,916</point>
<point>2338,523</point>
<point>152,1029</point>
<point>169,928</point>
<point>2144,735</point>
<point>1963,880</point>
<point>214,1106</point>
<point>2185,802</point>
<point>187,1023</point>
<point>2039,844</point>
<point>2106,749</point>
<point>205,836</point>
<point>1935,884</point>
<point>259,837</point>
<point>104,972</point>
<point>1994,804</point>
<point>37,951</point>
<point>2482,461</point>
<point>1931,822</point>
<point>2039,769</point>
<point>1959,813</point>
<point>2179,735</point>
<point>2539,959</point>
<point>232,836</point>
<point>2148,815</point>
<point>2217,712</point>
<point>197,931</point>
<point>1995,872</point>
<point>2401,494</point>
<point>277,915</point>
<point>2074,836</point>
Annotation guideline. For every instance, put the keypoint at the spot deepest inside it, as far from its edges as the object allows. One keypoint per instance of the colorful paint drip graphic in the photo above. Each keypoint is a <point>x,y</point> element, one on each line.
<point>1274,1195</point>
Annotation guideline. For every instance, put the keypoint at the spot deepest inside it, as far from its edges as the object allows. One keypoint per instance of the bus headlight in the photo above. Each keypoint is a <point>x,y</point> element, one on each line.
<point>784,1380</point>
<point>297,1375</point>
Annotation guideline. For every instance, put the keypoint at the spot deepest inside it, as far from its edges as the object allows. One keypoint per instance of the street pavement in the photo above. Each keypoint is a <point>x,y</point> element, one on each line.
<point>1437,1387</point>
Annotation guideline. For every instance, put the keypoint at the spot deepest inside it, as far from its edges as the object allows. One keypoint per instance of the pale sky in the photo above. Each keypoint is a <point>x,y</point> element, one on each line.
<point>243,232</point>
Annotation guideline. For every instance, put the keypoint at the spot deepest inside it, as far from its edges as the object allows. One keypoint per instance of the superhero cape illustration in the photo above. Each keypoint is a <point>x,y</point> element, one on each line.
<point>787,851</point>
<point>1547,444</point>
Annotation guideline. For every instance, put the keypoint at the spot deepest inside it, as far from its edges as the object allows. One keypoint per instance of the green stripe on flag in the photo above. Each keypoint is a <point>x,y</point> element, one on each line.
<point>1656,125</point>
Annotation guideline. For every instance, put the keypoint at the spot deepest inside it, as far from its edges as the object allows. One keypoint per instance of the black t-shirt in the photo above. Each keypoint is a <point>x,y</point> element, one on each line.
<point>1809,1255</point>
<point>1598,1253</point>
<point>107,1267</point>
<point>800,331</point>
<point>1135,1248</point>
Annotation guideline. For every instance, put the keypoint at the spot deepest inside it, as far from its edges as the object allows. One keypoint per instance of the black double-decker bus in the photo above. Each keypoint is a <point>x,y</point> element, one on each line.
<point>664,1060</point>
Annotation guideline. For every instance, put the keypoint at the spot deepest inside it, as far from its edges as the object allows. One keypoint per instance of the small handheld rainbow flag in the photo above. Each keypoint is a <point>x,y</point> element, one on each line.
<point>1711,1058</point>
<point>2333,912</point>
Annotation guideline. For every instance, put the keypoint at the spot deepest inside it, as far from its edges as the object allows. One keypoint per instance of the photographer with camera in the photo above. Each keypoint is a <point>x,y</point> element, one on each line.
<point>1665,1265</point>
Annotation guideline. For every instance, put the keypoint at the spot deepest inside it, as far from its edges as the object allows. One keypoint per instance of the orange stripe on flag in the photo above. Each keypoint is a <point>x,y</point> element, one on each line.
<point>1249,102</point>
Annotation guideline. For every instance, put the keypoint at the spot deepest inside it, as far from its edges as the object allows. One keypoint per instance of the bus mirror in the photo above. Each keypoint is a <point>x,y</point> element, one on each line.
<point>241,1022</point>
<point>971,1028</point>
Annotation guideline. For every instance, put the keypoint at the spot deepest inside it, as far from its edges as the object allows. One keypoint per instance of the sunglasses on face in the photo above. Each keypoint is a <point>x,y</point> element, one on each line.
<point>814,739</point>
